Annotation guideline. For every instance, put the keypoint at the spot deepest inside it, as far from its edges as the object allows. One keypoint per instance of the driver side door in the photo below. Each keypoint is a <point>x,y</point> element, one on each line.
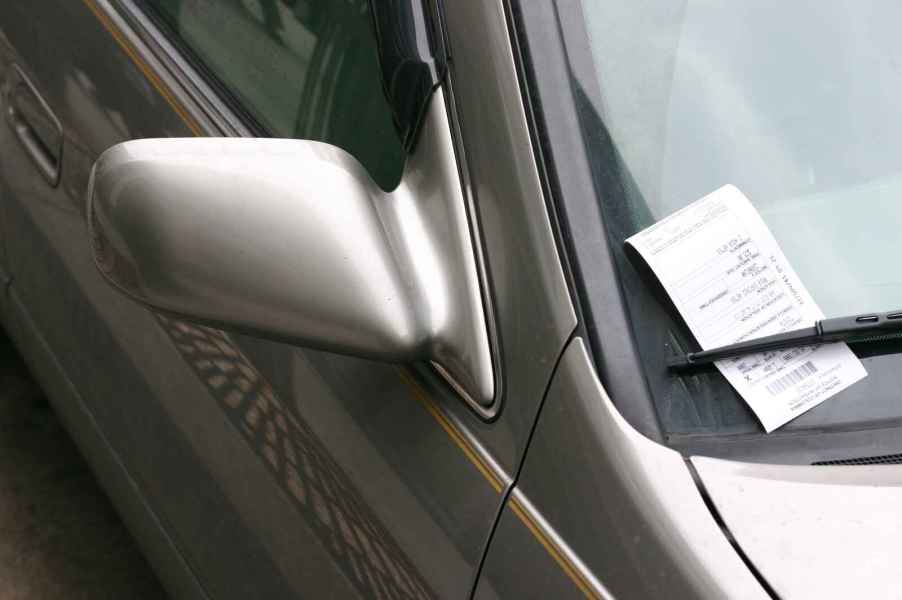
<point>264,469</point>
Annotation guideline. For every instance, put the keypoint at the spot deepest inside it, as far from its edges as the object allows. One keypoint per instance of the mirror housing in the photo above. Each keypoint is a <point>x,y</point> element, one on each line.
<point>292,240</point>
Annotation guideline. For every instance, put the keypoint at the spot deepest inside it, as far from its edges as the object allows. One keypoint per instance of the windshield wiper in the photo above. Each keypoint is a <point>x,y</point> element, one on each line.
<point>857,328</point>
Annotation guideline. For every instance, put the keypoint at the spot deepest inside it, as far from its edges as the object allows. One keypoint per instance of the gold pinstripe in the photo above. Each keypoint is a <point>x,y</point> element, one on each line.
<point>145,69</point>
<point>573,572</point>
<point>452,432</point>
<point>450,429</point>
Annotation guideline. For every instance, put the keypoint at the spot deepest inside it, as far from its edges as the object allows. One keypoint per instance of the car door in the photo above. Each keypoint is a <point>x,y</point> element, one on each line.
<point>250,468</point>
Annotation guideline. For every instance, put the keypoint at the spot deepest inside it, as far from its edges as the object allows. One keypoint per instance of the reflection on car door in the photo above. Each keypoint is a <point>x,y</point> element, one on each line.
<point>273,470</point>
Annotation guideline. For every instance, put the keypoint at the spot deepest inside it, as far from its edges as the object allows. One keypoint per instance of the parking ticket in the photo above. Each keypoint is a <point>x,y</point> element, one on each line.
<point>730,281</point>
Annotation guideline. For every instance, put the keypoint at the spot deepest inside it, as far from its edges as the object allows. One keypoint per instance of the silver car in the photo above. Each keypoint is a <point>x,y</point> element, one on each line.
<point>334,296</point>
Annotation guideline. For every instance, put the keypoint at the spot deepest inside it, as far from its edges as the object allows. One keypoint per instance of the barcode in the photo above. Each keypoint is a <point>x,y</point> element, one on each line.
<point>791,378</point>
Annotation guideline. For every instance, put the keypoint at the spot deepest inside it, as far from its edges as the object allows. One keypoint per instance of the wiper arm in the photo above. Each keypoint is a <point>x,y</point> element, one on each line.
<point>865,327</point>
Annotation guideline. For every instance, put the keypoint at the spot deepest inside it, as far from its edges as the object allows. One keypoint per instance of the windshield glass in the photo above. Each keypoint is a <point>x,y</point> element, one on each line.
<point>797,105</point>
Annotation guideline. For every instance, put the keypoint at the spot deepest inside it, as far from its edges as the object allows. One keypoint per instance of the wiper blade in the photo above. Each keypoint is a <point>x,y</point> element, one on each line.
<point>857,328</point>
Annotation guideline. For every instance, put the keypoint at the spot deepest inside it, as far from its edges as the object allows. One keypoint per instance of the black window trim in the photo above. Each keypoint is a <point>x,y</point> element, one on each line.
<point>203,88</point>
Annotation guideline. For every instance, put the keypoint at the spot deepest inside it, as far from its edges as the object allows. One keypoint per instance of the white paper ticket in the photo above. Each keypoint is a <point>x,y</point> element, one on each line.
<point>730,281</point>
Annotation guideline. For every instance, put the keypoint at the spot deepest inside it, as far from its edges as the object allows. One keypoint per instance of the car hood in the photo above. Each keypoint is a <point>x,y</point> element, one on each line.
<point>813,531</point>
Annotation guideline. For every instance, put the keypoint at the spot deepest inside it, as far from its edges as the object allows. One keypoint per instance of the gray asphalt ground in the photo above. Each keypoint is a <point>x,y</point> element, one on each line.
<point>59,535</point>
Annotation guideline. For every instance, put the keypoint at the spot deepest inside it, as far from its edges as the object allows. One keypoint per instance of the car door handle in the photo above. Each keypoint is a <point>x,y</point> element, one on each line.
<point>34,124</point>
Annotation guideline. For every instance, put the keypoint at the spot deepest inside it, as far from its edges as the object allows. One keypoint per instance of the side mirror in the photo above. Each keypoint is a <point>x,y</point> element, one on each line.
<point>291,240</point>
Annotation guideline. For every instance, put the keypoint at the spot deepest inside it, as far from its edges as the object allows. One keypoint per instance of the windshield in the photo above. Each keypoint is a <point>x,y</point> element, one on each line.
<point>797,105</point>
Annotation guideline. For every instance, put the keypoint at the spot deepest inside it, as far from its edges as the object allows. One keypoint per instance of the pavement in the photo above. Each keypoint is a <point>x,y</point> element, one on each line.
<point>59,535</point>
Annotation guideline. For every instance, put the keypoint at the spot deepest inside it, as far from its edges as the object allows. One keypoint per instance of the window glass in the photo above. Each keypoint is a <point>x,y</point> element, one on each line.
<point>797,107</point>
<point>304,68</point>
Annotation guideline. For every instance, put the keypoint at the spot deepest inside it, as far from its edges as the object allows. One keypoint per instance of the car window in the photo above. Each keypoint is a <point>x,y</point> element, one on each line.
<point>799,110</point>
<point>304,69</point>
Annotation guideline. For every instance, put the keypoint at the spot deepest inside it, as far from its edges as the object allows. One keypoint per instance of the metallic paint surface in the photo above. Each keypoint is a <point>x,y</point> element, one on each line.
<point>292,240</point>
<point>227,517</point>
<point>544,307</point>
<point>555,546</point>
<point>514,545</point>
<point>209,485</point>
<point>622,510</point>
<point>533,311</point>
<point>813,531</point>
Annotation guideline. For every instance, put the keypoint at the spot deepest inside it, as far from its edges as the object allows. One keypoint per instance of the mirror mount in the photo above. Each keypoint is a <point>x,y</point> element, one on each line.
<point>411,58</point>
<point>291,240</point>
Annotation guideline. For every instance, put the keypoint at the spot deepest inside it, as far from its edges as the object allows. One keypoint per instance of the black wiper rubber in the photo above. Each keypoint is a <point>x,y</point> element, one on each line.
<point>840,329</point>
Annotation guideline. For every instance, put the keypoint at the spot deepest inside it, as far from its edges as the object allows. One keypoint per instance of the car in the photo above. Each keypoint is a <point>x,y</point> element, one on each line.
<point>335,298</point>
